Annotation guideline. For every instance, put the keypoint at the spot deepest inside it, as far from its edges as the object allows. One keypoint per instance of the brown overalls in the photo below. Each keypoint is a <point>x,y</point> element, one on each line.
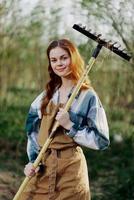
<point>65,175</point>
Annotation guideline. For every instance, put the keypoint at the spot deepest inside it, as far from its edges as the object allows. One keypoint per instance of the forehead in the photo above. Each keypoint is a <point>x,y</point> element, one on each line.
<point>57,52</point>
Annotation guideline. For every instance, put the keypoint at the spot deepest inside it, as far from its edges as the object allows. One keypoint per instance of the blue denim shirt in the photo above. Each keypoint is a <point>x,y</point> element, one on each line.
<point>90,127</point>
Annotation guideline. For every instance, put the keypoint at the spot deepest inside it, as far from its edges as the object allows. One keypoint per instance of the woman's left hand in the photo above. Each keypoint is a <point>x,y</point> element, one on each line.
<point>63,118</point>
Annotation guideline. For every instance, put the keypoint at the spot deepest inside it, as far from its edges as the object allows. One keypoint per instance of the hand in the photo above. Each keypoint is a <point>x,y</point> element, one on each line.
<point>63,118</point>
<point>29,170</point>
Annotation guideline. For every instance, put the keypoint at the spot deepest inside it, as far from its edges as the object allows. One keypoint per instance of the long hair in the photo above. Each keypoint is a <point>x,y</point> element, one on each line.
<point>76,66</point>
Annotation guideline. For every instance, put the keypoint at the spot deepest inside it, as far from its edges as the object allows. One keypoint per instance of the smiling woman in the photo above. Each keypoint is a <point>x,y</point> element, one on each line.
<point>63,173</point>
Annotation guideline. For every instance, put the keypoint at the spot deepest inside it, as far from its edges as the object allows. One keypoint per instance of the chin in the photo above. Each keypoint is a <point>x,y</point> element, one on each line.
<point>68,76</point>
<point>64,74</point>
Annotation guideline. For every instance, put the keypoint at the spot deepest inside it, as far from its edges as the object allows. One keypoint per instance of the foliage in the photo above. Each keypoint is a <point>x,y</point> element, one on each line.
<point>116,17</point>
<point>110,171</point>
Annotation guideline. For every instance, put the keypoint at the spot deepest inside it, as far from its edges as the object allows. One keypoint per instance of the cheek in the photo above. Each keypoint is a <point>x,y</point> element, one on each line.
<point>68,62</point>
<point>54,70</point>
<point>53,66</point>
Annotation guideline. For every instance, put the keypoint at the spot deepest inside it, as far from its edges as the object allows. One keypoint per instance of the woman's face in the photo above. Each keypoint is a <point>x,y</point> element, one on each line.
<point>60,61</point>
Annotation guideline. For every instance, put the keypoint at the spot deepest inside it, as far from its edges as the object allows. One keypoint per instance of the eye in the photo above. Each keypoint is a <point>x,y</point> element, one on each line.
<point>65,57</point>
<point>53,61</point>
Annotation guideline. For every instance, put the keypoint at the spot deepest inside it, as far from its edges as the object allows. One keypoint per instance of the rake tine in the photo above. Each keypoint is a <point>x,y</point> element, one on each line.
<point>84,27</point>
<point>89,30</point>
<point>99,35</point>
<point>114,43</point>
<point>102,42</point>
<point>109,41</point>
<point>119,46</point>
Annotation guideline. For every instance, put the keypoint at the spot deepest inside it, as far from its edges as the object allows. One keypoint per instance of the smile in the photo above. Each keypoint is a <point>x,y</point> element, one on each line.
<point>60,69</point>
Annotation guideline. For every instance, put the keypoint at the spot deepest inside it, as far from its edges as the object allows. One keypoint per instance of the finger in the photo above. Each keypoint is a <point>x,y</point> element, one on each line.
<point>37,169</point>
<point>32,172</point>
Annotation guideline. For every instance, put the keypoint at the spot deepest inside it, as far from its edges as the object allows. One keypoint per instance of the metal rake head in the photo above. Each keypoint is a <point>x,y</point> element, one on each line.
<point>115,47</point>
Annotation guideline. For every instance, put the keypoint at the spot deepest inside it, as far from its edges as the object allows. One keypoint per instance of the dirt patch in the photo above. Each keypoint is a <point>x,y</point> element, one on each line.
<point>9,183</point>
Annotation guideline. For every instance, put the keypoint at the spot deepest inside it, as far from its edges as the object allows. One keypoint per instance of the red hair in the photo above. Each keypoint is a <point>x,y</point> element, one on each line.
<point>76,66</point>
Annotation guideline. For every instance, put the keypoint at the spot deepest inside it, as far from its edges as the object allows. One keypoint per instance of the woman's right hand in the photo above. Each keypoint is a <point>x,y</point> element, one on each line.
<point>29,170</point>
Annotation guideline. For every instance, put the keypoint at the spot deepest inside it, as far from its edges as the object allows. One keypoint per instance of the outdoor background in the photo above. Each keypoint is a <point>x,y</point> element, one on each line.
<point>26,28</point>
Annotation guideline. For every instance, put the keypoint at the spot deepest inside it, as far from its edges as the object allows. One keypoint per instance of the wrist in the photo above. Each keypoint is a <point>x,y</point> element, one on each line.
<point>69,125</point>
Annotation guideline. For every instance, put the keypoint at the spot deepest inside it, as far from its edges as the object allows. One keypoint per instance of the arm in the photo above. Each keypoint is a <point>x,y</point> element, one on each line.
<point>94,133</point>
<point>32,128</point>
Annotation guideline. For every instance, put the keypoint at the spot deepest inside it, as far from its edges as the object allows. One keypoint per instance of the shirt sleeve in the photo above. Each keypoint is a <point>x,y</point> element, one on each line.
<point>95,134</point>
<point>32,128</point>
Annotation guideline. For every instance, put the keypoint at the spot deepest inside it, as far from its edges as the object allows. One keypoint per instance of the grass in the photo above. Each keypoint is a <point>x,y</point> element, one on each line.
<point>111,171</point>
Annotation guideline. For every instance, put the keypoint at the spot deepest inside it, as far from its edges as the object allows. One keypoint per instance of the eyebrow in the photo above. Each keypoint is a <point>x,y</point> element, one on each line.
<point>60,56</point>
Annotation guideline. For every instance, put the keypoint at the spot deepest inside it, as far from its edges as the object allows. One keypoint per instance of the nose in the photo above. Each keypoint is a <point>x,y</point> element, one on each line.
<point>59,62</point>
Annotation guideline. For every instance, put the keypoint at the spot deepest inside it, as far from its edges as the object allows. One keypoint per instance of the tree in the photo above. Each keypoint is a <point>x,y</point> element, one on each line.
<point>23,43</point>
<point>115,16</point>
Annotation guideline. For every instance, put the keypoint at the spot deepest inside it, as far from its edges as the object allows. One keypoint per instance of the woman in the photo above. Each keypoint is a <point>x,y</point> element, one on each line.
<point>63,173</point>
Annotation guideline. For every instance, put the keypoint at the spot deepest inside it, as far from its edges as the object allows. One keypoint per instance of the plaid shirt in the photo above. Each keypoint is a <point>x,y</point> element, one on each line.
<point>90,127</point>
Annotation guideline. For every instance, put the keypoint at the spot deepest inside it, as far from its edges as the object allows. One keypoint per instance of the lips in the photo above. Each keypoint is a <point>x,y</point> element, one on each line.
<point>61,69</point>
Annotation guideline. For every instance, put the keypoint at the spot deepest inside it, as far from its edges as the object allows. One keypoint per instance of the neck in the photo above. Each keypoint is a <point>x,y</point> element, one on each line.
<point>66,83</point>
